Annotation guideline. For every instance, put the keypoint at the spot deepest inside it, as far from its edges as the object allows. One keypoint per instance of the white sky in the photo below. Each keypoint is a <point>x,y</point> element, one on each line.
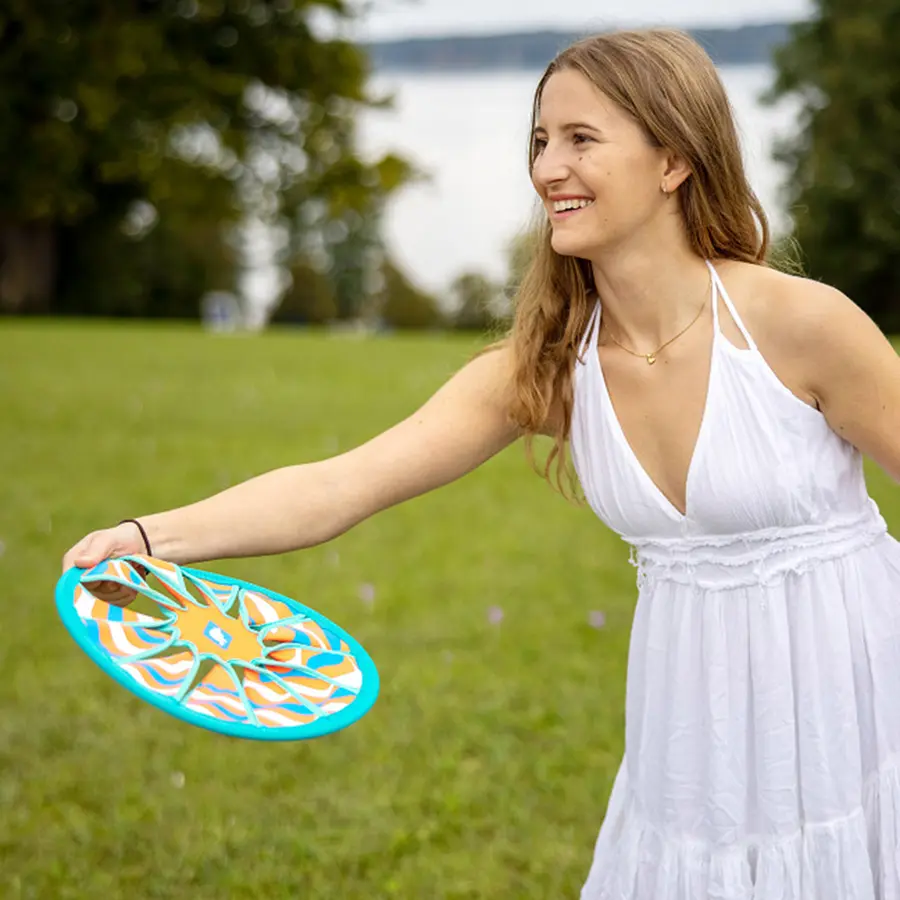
<point>408,18</point>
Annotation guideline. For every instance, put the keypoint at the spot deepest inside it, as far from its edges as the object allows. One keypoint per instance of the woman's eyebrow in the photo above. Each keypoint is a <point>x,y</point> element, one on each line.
<point>571,126</point>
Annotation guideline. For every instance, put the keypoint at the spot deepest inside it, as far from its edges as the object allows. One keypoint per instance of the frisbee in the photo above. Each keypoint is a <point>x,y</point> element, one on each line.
<point>220,653</point>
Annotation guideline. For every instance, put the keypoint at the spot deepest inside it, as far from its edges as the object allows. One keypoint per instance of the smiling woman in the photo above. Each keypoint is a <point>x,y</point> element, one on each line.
<point>687,379</point>
<point>716,412</point>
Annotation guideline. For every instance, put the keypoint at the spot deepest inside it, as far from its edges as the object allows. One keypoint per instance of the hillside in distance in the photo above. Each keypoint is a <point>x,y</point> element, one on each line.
<point>744,45</point>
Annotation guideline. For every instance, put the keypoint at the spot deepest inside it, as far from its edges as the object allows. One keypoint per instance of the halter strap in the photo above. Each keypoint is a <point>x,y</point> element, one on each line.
<point>719,290</point>
<point>714,297</point>
<point>589,341</point>
<point>591,333</point>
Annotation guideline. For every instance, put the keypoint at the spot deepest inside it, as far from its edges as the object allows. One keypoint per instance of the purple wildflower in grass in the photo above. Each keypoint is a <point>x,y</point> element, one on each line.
<point>596,618</point>
<point>367,594</point>
<point>495,615</point>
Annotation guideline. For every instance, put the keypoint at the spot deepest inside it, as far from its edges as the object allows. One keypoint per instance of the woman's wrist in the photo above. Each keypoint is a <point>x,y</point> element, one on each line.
<point>154,539</point>
<point>166,533</point>
<point>147,545</point>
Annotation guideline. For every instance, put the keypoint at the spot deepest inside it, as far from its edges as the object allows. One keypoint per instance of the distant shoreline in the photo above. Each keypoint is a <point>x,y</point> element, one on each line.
<point>742,45</point>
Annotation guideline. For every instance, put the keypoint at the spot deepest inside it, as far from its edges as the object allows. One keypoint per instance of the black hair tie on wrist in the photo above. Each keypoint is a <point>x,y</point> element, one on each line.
<point>141,530</point>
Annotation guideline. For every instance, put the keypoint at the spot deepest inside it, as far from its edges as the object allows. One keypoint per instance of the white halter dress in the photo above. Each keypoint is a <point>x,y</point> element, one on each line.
<point>762,737</point>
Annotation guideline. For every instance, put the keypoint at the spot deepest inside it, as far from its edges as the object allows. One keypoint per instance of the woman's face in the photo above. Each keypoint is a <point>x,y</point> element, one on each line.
<point>594,169</point>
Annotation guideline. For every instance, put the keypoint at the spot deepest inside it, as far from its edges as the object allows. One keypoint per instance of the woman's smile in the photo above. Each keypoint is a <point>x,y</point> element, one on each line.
<point>564,206</point>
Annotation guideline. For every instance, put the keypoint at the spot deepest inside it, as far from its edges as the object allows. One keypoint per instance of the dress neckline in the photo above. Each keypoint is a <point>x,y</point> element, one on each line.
<point>716,290</point>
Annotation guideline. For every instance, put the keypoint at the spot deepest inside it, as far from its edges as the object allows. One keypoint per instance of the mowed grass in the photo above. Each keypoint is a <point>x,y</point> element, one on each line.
<point>484,768</point>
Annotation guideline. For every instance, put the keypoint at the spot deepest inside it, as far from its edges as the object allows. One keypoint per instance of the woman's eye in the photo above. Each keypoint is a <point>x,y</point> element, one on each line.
<point>579,138</point>
<point>538,145</point>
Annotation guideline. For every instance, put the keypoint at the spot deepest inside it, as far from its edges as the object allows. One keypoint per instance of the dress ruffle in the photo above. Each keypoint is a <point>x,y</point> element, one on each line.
<point>762,739</point>
<point>856,857</point>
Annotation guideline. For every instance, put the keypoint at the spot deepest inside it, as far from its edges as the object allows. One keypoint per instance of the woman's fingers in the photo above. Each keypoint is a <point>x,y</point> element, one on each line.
<point>111,592</point>
<point>123,540</point>
<point>110,543</point>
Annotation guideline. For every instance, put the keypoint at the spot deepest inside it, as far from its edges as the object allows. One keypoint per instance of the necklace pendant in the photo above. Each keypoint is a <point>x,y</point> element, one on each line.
<point>651,358</point>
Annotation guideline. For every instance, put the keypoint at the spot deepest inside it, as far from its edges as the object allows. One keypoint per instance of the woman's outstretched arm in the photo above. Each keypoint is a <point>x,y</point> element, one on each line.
<point>461,426</point>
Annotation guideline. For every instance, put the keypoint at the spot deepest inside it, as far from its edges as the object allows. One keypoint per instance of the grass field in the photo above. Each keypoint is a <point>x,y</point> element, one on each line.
<point>484,768</point>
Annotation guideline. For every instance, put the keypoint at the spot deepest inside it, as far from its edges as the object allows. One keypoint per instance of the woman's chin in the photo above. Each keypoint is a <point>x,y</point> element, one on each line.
<point>570,245</point>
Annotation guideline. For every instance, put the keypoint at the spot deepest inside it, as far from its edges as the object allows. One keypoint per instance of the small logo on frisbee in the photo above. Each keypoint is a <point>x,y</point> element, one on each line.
<point>217,635</point>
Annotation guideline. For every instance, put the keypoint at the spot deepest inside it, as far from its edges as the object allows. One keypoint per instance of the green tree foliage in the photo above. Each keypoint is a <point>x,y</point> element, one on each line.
<point>844,190</point>
<point>337,215</point>
<point>403,305</point>
<point>519,253</point>
<point>475,300</point>
<point>310,300</point>
<point>113,267</point>
<point>198,111</point>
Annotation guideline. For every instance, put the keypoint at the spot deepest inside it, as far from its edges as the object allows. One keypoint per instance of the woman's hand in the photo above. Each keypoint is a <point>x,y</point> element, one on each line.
<point>123,540</point>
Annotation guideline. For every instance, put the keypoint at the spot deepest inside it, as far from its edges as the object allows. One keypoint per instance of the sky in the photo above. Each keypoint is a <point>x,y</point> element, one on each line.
<point>410,18</point>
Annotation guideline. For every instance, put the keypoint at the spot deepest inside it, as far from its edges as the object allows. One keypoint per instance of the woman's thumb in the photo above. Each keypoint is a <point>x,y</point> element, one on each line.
<point>92,550</point>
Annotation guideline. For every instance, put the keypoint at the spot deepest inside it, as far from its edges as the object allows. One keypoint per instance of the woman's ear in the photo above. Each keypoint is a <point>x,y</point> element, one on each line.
<point>676,172</point>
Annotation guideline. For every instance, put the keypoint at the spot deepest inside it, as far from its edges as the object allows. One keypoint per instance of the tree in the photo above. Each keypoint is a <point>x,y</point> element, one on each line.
<point>844,189</point>
<point>403,305</point>
<point>338,217</point>
<point>196,112</point>
<point>475,299</point>
<point>310,299</point>
<point>519,253</point>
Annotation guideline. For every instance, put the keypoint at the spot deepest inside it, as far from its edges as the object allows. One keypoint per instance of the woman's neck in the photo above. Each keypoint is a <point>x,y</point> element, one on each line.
<point>646,298</point>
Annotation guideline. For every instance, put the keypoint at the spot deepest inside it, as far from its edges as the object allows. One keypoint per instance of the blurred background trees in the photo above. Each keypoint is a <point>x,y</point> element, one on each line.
<point>477,303</point>
<point>136,136</point>
<point>309,300</point>
<point>403,305</point>
<point>146,144</point>
<point>844,186</point>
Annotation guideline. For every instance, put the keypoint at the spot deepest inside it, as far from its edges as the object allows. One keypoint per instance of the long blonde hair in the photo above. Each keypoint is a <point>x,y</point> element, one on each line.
<point>666,81</point>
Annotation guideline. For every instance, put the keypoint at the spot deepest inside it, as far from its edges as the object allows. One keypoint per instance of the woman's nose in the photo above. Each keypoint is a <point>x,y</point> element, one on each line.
<point>549,168</point>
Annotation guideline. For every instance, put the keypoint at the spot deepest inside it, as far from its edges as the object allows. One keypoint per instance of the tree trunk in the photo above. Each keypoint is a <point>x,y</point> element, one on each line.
<point>27,267</point>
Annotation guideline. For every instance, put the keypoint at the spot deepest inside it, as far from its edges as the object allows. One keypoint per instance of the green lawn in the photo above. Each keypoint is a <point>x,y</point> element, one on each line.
<point>483,770</point>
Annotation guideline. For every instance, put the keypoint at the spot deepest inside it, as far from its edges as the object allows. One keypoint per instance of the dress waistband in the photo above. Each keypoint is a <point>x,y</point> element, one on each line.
<point>721,562</point>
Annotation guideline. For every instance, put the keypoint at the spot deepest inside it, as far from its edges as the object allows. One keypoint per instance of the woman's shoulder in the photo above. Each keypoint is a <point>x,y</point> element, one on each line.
<point>802,327</point>
<point>782,309</point>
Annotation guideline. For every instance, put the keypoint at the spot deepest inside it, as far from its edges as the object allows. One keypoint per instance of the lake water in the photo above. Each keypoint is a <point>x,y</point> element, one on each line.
<point>469,133</point>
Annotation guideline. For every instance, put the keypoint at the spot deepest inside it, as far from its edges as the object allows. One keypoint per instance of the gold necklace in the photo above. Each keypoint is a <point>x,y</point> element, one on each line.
<point>651,357</point>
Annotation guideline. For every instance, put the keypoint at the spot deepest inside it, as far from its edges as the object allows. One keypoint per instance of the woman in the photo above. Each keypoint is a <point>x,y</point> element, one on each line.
<point>716,412</point>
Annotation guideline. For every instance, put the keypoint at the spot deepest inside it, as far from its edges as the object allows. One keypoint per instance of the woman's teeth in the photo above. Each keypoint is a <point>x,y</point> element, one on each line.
<point>566,205</point>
